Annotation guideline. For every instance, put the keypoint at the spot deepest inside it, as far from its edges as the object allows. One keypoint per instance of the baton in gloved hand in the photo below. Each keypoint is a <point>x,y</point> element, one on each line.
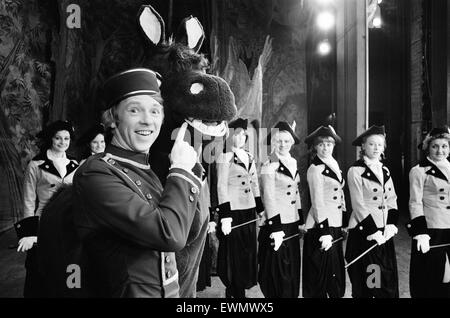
<point>287,238</point>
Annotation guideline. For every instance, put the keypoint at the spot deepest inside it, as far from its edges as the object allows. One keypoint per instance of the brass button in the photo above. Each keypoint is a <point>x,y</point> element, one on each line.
<point>191,198</point>
<point>47,166</point>
<point>408,226</point>
<point>375,190</point>
<point>125,170</point>
<point>360,228</point>
<point>243,182</point>
<point>194,190</point>
<point>442,190</point>
<point>217,209</point>
<point>432,171</point>
<point>334,198</point>
<point>148,196</point>
<point>138,182</point>
<point>321,226</point>
<point>288,193</point>
<point>375,198</point>
<point>442,198</point>
<point>327,171</point>
<point>18,226</point>
<point>168,274</point>
<point>335,189</point>
<point>339,207</point>
<point>167,259</point>
<point>270,222</point>
<point>289,185</point>
<point>281,168</point>
<point>292,202</point>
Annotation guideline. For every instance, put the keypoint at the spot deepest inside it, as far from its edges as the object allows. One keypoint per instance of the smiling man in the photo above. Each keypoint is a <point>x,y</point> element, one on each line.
<point>129,223</point>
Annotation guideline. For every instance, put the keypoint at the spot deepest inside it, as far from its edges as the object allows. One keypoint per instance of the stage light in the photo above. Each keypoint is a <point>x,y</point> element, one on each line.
<point>324,47</point>
<point>325,20</point>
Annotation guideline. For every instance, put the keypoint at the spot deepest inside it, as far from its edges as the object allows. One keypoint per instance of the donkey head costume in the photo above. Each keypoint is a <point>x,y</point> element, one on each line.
<point>190,95</point>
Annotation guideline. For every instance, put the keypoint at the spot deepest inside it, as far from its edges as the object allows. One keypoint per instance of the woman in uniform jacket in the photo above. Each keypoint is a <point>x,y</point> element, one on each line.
<point>46,173</point>
<point>373,220</point>
<point>239,202</point>
<point>279,244</point>
<point>130,225</point>
<point>323,259</point>
<point>93,141</point>
<point>429,203</point>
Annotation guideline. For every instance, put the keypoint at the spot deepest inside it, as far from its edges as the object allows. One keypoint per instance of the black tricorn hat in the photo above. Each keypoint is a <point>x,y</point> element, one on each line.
<point>284,126</point>
<point>434,133</point>
<point>48,132</point>
<point>322,131</point>
<point>90,134</point>
<point>238,123</point>
<point>373,130</point>
<point>132,82</point>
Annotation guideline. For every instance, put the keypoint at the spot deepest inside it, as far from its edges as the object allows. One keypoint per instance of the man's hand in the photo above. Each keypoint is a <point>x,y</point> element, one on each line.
<point>182,155</point>
<point>26,243</point>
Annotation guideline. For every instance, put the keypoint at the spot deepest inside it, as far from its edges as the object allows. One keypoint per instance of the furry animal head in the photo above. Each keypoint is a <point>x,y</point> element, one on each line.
<point>204,101</point>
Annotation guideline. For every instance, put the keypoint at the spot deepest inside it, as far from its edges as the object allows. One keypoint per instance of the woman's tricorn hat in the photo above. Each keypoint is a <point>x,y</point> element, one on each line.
<point>132,82</point>
<point>90,134</point>
<point>238,123</point>
<point>373,130</point>
<point>435,133</point>
<point>284,126</point>
<point>322,131</point>
<point>48,132</point>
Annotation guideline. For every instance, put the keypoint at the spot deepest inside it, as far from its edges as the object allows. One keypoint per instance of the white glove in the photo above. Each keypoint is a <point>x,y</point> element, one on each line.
<point>377,236</point>
<point>226,225</point>
<point>389,231</point>
<point>183,155</point>
<point>423,242</point>
<point>26,243</point>
<point>212,227</point>
<point>326,241</point>
<point>277,239</point>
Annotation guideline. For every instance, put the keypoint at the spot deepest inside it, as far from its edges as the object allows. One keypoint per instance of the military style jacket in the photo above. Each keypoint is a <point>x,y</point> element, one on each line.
<point>429,198</point>
<point>42,181</point>
<point>374,203</point>
<point>130,225</point>
<point>237,184</point>
<point>281,196</point>
<point>327,196</point>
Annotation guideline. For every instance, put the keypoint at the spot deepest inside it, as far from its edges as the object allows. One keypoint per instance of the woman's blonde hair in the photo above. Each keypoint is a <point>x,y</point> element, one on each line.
<point>274,139</point>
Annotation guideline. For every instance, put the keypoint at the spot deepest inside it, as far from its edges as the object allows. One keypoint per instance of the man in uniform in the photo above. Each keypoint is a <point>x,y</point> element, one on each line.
<point>129,223</point>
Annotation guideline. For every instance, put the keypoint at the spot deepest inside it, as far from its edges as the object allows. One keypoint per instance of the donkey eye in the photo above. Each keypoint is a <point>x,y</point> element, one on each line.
<point>196,88</point>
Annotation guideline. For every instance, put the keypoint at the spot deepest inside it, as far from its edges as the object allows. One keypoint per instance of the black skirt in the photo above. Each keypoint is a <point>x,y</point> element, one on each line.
<point>279,271</point>
<point>375,274</point>
<point>237,259</point>
<point>323,272</point>
<point>427,270</point>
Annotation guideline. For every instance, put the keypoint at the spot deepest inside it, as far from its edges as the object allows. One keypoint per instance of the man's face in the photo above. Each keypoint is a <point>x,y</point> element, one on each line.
<point>139,120</point>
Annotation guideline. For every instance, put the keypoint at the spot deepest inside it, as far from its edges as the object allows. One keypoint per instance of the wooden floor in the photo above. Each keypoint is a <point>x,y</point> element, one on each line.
<point>12,271</point>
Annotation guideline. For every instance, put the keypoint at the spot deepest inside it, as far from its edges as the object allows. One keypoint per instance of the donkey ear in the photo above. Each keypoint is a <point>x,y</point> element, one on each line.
<point>190,33</point>
<point>151,24</point>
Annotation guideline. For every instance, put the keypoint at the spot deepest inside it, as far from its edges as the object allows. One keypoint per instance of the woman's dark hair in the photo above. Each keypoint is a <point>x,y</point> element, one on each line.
<point>46,135</point>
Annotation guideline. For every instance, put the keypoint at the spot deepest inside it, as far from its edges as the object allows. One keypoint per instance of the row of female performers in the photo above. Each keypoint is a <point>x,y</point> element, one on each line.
<point>46,173</point>
<point>275,264</point>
